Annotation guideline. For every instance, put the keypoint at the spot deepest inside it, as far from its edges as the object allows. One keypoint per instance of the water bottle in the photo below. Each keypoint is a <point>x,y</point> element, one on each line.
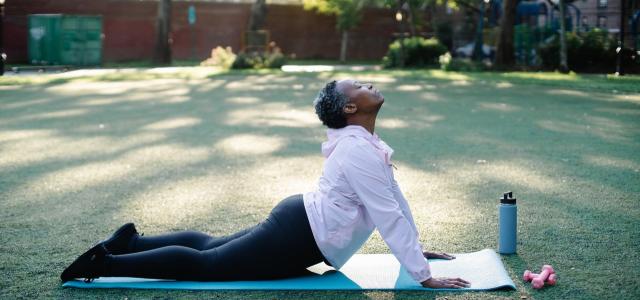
<point>508,221</point>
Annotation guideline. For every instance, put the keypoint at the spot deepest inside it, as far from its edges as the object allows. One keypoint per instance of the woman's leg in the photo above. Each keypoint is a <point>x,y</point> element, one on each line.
<point>191,239</point>
<point>281,246</point>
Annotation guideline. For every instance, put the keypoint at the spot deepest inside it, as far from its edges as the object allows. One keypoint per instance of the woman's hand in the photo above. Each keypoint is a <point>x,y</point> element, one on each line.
<point>445,283</point>
<point>441,255</point>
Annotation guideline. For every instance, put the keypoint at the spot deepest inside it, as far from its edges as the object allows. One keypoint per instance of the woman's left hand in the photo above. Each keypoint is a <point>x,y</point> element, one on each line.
<point>440,255</point>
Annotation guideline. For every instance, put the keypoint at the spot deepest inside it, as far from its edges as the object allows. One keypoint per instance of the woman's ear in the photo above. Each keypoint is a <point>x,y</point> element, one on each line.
<point>350,108</point>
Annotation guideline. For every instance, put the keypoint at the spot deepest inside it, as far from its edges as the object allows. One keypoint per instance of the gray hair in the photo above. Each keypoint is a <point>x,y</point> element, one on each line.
<point>329,106</point>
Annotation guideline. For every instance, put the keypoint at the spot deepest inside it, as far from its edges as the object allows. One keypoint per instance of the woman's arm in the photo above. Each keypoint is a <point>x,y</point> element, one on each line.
<point>365,173</point>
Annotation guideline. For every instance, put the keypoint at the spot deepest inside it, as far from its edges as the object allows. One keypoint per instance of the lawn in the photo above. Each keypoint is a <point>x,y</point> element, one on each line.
<point>80,156</point>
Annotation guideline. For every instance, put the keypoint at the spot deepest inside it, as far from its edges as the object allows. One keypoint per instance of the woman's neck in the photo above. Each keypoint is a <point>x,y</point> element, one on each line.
<point>368,123</point>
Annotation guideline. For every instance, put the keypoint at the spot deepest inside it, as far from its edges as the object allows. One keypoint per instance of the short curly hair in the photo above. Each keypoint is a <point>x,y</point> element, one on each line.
<point>329,106</point>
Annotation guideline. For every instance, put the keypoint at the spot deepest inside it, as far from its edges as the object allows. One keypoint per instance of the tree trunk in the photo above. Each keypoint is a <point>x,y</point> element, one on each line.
<point>478,51</point>
<point>564,68</point>
<point>1,40</point>
<point>505,52</point>
<point>412,22</point>
<point>258,15</point>
<point>162,53</point>
<point>343,46</point>
<point>619,57</point>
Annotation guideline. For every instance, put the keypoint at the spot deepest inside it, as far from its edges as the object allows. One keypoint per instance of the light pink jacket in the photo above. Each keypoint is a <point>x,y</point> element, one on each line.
<point>358,193</point>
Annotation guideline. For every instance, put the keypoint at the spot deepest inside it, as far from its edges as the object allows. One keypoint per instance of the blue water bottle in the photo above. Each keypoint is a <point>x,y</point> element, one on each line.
<point>508,221</point>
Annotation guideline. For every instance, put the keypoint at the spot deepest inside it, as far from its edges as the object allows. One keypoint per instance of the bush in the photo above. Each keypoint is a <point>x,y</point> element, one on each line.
<point>418,52</point>
<point>272,59</point>
<point>448,63</point>
<point>220,57</point>
<point>225,58</point>
<point>589,51</point>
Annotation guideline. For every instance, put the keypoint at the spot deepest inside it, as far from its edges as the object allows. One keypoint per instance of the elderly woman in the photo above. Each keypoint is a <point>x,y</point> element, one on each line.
<point>356,194</point>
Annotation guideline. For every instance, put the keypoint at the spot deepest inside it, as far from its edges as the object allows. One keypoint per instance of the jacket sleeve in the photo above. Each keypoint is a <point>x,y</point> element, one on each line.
<point>365,173</point>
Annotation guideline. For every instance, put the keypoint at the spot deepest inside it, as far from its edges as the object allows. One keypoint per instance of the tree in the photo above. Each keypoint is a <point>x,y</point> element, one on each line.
<point>561,6</point>
<point>564,67</point>
<point>258,15</point>
<point>348,14</point>
<point>505,52</point>
<point>413,9</point>
<point>162,53</point>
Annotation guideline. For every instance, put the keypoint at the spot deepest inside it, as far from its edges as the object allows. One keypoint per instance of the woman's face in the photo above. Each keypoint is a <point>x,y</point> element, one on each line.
<point>366,98</point>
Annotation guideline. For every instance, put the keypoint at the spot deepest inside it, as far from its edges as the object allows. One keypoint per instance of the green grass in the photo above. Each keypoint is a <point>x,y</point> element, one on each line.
<point>215,151</point>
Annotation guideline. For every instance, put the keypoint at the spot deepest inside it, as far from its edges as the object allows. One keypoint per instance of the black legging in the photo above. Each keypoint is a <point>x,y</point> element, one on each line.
<point>281,246</point>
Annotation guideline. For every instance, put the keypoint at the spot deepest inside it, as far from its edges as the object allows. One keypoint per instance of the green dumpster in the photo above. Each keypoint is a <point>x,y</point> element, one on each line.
<point>56,39</point>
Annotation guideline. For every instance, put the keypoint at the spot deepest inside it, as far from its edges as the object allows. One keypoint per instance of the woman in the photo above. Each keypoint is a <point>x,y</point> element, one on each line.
<point>356,194</point>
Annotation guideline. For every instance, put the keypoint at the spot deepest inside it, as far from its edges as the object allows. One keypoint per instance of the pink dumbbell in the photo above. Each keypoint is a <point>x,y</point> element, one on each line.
<point>528,275</point>
<point>538,281</point>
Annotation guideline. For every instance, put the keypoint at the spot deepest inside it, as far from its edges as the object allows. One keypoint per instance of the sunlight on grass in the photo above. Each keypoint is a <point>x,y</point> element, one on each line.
<point>391,123</point>
<point>563,126</point>
<point>173,123</point>
<point>250,144</point>
<point>633,98</point>
<point>453,76</point>
<point>20,103</point>
<point>139,162</point>
<point>428,96</point>
<point>118,88</point>
<point>425,191</point>
<point>605,128</point>
<point>278,114</point>
<point>409,87</point>
<point>242,100</point>
<point>259,186</point>
<point>374,77</point>
<point>504,107</point>
<point>504,85</point>
<point>51,115</point>
<point>541,75</point>
<point>123,74</point>
<point>567,92</point>
<point>619,111</point>
<point>608,161</point>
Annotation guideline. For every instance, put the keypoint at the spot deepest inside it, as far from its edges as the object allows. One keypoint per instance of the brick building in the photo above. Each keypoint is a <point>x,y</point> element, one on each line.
<point>129,28</point>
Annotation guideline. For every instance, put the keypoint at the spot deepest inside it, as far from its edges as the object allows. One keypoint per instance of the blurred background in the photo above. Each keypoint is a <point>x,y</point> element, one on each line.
<point>597,36</point>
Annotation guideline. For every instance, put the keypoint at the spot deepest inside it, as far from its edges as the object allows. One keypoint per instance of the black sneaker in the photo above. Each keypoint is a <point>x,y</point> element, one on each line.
<point>89,265</point>
<point>118,243</point>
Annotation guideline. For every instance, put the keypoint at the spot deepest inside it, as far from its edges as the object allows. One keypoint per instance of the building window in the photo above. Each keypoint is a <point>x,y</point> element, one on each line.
<point>602,3</point>
<point>602,22</point>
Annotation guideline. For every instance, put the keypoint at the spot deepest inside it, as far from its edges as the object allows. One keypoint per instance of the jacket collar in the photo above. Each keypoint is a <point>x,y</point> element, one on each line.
<point>335,135</point>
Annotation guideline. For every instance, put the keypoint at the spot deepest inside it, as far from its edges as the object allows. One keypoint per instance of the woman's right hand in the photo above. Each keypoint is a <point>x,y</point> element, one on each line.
<point>446,283</point>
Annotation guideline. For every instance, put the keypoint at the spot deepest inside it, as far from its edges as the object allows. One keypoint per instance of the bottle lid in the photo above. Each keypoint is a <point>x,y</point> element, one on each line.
<point>507,198</point>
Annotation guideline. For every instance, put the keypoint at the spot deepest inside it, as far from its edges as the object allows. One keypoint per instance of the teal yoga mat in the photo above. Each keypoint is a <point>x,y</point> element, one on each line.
<point>483,269</point>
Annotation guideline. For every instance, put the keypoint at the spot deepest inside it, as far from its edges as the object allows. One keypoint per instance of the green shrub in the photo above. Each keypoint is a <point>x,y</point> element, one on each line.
<point>225,58</point>
<point>414,52</point>
<point>272,59</point>
<point>220,57</point>
<point>448,63</point>
<point>588,51</point>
